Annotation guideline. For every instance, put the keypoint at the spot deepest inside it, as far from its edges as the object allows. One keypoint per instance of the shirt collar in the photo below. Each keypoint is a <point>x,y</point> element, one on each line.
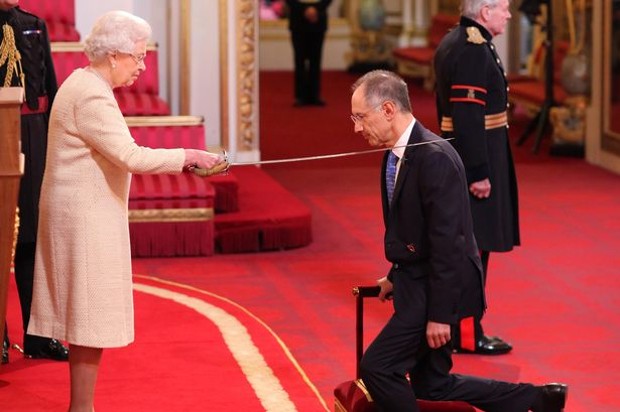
<point>403,140</point>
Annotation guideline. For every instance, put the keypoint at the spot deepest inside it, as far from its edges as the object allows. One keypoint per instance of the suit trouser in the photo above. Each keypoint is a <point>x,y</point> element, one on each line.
<point>469,331</point>
<point>307,51</point>
<point>401,348</point>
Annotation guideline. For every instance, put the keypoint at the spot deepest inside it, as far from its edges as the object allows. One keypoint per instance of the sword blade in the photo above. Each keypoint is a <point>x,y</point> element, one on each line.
<point>218,170</point>
<point>331,156</point>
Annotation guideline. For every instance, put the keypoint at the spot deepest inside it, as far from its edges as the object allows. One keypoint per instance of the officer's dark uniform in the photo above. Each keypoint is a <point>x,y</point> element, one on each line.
<point>32,42</point>
<point>472,98</point>
<point>307,39</point>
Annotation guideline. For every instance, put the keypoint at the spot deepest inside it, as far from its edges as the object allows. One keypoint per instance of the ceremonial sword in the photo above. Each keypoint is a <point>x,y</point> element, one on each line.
<point>225,165</point>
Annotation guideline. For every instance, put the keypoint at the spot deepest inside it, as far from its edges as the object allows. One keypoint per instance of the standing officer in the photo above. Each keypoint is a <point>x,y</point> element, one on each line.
<point>26,61</point>
<point>471,104</point>
<point>308,24</point>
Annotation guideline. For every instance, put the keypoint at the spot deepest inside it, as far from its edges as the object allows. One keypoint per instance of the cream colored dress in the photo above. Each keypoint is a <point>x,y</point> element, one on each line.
<point>82,282</point>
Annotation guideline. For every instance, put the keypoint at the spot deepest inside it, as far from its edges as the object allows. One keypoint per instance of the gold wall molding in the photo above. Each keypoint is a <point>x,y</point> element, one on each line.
<point>246,74</point>
<point>224,100</point>
<point>184,73</point>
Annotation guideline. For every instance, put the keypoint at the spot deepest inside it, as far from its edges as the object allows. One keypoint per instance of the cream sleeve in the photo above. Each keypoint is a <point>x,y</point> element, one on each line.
<point>102,126</point>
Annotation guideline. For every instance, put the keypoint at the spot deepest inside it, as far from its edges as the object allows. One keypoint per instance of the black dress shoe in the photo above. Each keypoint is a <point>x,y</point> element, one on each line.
<point>488,345</point>
<point>5,353</point>
<point>553,398</point>
<point>54,350</point>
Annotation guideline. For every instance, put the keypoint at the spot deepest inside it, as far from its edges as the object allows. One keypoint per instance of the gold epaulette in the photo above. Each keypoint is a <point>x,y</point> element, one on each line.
<point>474,35</point>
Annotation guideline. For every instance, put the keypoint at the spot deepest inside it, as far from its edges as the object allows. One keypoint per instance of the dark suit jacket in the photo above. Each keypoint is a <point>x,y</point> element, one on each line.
<point>297,20</point>
<point>428,228</point>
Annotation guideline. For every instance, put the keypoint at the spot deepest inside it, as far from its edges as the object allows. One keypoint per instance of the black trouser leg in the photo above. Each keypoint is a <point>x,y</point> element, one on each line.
<point>431,380</point>
<point>315,53</point>
<point>299,59</point>
<point>396,349</point>
<point>401,347</point>
<point>24,278</point>
<point>385,363</point>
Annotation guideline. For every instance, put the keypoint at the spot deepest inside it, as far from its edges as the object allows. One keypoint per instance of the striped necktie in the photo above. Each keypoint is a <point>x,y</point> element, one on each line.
<point>390,174</point>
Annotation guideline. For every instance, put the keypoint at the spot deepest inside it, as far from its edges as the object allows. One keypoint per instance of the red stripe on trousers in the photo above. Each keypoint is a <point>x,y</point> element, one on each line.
<point>468,334</point>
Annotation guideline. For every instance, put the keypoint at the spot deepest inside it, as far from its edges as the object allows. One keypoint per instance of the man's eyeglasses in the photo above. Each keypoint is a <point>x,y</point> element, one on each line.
<point>359,117</point>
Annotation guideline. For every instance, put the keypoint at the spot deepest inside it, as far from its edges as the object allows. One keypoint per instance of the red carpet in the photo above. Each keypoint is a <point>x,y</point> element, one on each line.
<point>188,342</point>
<point>555,298</point>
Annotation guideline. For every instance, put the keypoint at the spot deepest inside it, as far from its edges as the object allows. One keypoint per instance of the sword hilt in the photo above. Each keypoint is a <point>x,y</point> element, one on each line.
<point>215,170</point>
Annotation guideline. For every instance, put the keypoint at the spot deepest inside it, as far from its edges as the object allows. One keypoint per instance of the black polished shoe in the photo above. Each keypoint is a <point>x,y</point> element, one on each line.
<point>553,398</point>
<point>54,350</point>
<point>488,345</point>
<point>5,353</point>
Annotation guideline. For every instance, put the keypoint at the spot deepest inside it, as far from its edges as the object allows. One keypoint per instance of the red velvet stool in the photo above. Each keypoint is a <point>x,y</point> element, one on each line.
<point>352,396</point>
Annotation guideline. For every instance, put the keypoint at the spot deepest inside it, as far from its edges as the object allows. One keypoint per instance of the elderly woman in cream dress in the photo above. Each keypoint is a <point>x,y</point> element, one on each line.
<point>83,285</point>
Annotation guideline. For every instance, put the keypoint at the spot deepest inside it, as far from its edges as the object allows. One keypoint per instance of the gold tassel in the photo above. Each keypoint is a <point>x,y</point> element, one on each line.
<point>11,56</point>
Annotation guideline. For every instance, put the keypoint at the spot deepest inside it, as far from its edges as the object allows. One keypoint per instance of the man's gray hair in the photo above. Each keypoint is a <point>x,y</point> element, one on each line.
<point>383,85</point>
<point>471,8</point>
<point>115,31</point>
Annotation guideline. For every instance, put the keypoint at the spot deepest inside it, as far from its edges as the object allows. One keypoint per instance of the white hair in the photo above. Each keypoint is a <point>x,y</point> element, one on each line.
<point>115,31</point>
<point>471,8</point>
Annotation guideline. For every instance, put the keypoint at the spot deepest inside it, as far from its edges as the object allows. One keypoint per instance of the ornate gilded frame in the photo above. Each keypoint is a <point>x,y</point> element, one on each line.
<point>610,140</point>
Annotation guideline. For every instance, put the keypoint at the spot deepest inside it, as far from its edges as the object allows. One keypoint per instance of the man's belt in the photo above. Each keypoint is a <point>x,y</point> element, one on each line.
<point>491,121</point>
<point>43,106</point>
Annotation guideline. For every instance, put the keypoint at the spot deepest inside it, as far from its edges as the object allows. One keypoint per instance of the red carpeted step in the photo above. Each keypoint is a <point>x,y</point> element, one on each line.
<point>269,217</point>
<point>140,99</point>
<point>171,215</point>
<point>169,132</point>
<point>226,193</point>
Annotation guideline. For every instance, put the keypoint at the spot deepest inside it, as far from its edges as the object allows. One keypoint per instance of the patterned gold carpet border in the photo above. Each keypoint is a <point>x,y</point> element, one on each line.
<point>266,385</point>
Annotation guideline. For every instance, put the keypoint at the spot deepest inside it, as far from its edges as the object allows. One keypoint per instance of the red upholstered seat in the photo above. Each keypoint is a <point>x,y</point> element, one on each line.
<point>59,15</point>
<point>529,90</point>
<point>420,55</point>
<point>417,61</point>
<point>532,92</point>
